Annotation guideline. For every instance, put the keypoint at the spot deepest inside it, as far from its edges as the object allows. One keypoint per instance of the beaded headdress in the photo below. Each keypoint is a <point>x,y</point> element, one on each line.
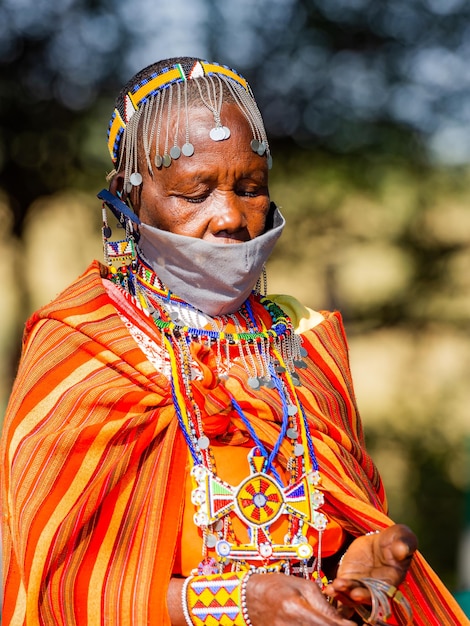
<point>157,104</point>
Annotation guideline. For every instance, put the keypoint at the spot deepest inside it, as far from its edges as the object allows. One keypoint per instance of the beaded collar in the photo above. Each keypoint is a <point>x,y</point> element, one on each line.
<point>271,357</point>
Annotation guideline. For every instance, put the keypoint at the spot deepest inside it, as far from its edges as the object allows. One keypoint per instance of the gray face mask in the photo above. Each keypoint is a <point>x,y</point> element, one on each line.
<point>215,278</point>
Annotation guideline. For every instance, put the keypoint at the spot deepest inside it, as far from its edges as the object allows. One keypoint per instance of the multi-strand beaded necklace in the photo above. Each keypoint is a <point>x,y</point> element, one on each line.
<point>271,357</point>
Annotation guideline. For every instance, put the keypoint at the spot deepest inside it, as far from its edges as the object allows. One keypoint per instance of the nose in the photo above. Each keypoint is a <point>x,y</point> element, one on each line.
<point>228,218</point>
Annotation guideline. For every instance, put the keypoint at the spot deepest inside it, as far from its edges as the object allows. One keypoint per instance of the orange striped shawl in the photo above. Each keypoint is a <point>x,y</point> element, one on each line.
<point>93,463</point>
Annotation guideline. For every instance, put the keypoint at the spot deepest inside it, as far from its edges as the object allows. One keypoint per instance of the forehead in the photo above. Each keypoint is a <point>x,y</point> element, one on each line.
<point>197,130</point>
<point>201,121</point>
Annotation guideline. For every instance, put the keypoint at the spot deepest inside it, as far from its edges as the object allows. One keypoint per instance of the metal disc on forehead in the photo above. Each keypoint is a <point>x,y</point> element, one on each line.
<point>298,449</point>
<point>175,152</point>
<point>135,179</point>
<point>261,148</point>
<point>217,133</point>
<point>203,442</point>
<point>296,379</point>
<point>187,149</point>
<point>226,132</point>
<point>158,160</point>
<point>166,160</point>
<point>211,540</point>
<point>291,410</point>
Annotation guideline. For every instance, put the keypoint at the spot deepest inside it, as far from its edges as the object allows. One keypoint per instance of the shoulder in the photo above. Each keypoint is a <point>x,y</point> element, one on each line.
<point>303,318</point>
<point>86,293</point>
<point>325,327</point>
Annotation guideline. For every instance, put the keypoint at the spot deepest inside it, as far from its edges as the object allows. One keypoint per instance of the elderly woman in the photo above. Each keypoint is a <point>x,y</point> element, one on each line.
<point>179,448</point>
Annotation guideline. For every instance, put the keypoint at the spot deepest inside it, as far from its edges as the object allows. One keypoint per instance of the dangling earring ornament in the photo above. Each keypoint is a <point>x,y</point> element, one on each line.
<point>120,255</point>
<point>106,233</point>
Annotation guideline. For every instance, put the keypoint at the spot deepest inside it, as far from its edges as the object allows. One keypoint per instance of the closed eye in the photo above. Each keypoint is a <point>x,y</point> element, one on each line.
<point>252,193</point>
<point>195,199</point>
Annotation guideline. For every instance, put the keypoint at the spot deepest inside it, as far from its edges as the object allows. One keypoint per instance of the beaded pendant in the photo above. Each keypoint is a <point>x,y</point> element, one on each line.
<point>258,501</point>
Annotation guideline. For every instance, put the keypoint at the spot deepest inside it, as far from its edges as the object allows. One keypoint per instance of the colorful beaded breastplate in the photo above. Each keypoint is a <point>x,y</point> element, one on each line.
<point>271,357</point>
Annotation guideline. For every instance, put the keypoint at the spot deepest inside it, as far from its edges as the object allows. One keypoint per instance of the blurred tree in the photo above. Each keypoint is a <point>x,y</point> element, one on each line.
<point>56,60</point>
<point>430,495</point>
<point>346,75</point>
<point>357,74</point>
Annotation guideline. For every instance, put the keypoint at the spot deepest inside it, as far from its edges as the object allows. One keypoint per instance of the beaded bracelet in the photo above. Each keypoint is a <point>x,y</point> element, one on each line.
<point>244,608</point>
<point>216,599</point>
<point>184,601</point>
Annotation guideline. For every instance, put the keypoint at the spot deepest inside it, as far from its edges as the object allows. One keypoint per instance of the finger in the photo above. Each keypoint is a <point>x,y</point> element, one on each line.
<point>276,600</point>
<point>348,591</point>
<point>406,543</point>
<point>314,616</point>
<point>400,537</point>
<point>319,610</point>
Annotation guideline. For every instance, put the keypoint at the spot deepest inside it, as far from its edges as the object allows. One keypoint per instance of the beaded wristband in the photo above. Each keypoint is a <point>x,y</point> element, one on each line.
<point>216,599</point>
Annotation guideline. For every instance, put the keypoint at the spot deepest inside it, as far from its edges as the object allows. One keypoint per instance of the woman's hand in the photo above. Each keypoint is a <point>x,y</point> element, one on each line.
<point>277,599</point>
<point>385,555</point>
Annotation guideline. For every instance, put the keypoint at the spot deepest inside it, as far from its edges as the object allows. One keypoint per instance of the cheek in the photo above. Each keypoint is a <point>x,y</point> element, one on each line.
<point>172,215</point>
<point>154,210</point>
<point>257,219</point>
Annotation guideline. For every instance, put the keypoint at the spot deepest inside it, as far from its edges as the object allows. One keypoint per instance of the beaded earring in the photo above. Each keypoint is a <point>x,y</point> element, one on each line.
<point>119,255</point>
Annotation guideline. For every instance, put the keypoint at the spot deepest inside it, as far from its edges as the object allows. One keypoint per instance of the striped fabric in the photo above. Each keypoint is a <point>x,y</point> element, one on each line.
<point>93,463</point>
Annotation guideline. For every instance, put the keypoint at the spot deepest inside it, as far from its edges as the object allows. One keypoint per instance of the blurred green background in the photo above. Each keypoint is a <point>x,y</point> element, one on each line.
<point>367,105</point>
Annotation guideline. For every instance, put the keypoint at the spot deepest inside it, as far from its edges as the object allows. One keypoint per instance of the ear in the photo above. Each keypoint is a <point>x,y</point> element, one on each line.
<point>117,188</point>
<point>116,185</point>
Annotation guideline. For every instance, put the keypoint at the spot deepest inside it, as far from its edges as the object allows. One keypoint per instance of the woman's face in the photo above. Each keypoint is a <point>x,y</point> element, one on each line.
<point>218,194</point>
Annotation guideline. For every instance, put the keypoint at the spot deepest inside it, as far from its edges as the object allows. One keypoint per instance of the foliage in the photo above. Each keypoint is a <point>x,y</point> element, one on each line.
<point>350,76</point>
<point>429,502</point>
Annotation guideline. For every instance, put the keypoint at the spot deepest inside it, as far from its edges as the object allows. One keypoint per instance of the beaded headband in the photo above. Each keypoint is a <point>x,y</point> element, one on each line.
<point>148,99</point>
